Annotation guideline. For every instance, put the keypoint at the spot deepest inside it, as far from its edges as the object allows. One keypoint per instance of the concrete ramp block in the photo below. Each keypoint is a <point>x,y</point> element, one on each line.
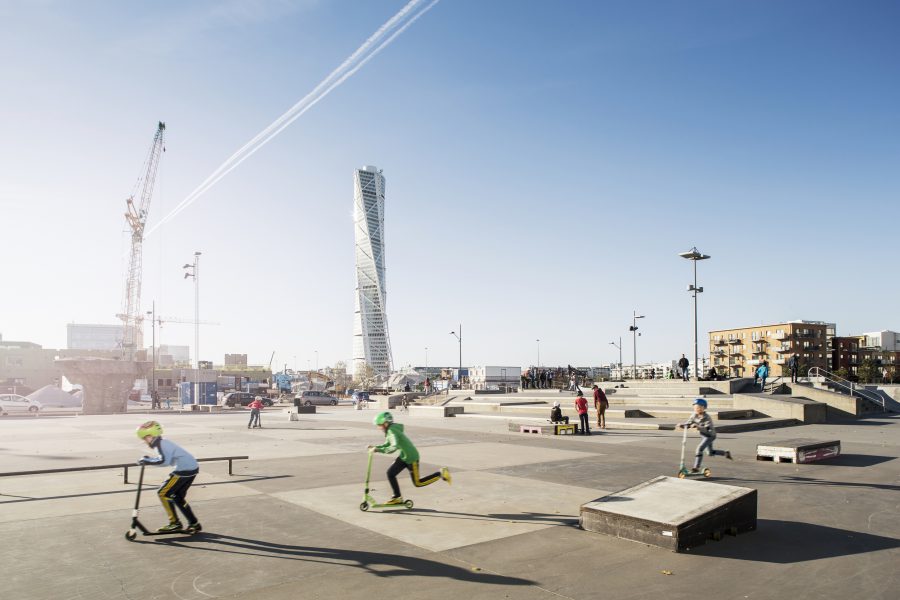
<point>676,514</point>
<point>436,411</point>
<point>798,451</point>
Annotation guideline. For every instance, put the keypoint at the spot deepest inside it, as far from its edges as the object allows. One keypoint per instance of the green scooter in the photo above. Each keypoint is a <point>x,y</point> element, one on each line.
<point>368,501</point>
<point>684,471</point>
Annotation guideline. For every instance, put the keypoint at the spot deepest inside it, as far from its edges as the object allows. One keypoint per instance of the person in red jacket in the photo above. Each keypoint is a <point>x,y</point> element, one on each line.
<point>255,407</point>
<point>581,406</point>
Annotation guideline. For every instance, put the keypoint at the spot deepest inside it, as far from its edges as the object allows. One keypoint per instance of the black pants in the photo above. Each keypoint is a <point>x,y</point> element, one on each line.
<point>398,466</point>
<point>174,493</point>
<point>585,427</point>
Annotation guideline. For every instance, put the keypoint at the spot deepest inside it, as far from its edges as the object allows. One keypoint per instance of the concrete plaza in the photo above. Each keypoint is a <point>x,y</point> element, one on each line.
<point>287,523</point>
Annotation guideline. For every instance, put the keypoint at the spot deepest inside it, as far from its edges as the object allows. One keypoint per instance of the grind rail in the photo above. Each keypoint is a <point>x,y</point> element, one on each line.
<point>120,466</point>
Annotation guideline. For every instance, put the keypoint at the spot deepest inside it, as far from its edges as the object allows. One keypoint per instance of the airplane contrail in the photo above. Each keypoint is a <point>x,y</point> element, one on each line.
<point>400,21</point>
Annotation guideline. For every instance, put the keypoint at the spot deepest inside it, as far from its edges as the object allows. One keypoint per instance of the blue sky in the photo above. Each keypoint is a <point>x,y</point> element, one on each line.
<point>545,163</point>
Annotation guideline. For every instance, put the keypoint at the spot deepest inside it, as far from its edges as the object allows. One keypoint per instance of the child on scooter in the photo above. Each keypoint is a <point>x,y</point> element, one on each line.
<point>174,490</point>
<point>408,458</point>
<point>702,421</point>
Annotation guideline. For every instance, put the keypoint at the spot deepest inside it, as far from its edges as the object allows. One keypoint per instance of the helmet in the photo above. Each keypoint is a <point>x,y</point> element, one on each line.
<point>149,428</point>
<point>700,402</point>
<point>556,404</point>
<point>258,398</point>
<point>384,417</point>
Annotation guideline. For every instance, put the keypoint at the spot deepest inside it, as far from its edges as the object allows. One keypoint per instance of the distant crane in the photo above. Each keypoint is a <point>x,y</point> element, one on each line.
<point>136,217</point>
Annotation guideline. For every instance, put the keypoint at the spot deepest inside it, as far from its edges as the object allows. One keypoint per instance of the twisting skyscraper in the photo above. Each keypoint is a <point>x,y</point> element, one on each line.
<point>371,344</point>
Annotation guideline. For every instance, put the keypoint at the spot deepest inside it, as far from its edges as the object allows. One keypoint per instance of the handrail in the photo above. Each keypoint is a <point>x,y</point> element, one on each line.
<point>771,385</point>
<point>828,376</point>
<point>124,466</point>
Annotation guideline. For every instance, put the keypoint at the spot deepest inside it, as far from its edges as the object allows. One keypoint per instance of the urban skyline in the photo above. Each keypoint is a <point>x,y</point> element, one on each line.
<point>540,190</point>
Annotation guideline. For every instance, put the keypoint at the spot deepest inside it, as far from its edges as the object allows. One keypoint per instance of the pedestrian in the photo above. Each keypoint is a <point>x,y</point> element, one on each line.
<point>601,403</point>
<point>550,379</point>
<point>255,407</point>
<point>532,377</point>
<point>542,379</point>
<point>408,457</point>
<point>683,364</point>
<point>174,491</point>
<point>556,415</point>
<point>702,421</point>
<point>794,366</point>
<point>581,406</point>
<point>762,373</point>
<point>154,399</point>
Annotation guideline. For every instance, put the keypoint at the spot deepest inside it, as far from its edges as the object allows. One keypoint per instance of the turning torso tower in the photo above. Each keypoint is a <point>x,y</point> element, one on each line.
<point>371,344</point>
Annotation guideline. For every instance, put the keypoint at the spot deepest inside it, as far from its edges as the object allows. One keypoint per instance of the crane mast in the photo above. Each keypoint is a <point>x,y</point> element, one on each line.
<point>136,217</point>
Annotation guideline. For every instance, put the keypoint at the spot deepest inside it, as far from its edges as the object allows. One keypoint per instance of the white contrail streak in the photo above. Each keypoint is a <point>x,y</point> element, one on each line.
<point>400,21</point>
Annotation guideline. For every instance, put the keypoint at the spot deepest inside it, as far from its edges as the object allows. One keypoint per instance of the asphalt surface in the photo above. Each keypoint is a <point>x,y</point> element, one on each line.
<point>287,524</point>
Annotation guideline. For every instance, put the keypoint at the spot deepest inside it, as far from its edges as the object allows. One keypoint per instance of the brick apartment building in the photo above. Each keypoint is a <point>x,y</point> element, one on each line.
<point>738,352</point>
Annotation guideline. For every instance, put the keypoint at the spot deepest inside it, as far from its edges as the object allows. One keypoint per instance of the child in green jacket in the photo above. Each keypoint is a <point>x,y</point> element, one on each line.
<point>396,441</point>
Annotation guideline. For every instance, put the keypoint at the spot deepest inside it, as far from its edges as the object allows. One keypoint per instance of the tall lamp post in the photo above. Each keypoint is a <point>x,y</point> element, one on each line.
<point>426,361</point>
<point>152,385</point>
<point>694,255</point>
<point>194,272</point>
<point>458,337</point>
<point>539,352</point>
<point>633,329</point>
<point>619,346</point>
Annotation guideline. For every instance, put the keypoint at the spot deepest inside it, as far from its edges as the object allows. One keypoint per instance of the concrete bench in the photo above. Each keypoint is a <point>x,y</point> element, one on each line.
<point>436,411</point>
<point>545,429</point>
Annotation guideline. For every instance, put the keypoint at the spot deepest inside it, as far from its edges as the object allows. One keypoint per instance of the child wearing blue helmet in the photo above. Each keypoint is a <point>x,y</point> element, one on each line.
<point>702,421</point>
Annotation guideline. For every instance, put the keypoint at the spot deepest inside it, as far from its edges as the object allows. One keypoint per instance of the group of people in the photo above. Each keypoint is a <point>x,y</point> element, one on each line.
<point>601,403</point>
<point>538,379</point>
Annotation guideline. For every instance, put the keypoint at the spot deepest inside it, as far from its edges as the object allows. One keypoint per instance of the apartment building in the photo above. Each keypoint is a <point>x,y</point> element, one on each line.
<point>738,352</point>
<point>849,352</point>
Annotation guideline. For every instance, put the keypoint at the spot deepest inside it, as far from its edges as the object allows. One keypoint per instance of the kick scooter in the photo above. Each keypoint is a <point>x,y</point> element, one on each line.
<point>368,501</point>
<point>684,471</point>
<point>136,525</point>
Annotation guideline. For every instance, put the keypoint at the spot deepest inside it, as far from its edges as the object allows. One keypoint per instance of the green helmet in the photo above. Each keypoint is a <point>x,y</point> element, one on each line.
<point>149,428</point>
<point>384,417</point>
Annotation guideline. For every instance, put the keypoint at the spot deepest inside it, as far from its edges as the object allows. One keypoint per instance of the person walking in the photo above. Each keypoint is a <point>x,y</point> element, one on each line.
<point>683,364</point>
<point>794,366</point>
<point>255,407</point>
<point>581,406</point>
<point>762,373</point>
<point>550,379</point>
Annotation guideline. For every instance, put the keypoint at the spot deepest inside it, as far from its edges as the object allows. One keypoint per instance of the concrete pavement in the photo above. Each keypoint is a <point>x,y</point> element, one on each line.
<point>287,524</point>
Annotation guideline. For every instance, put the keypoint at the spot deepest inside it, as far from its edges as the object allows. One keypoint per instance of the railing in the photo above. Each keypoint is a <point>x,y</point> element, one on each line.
<point>773,384</point>
<point>125,466</point>
<point>838,381</point>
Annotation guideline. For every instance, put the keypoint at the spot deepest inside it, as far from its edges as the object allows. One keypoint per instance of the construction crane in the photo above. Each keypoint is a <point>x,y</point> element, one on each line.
<point>136,217</point>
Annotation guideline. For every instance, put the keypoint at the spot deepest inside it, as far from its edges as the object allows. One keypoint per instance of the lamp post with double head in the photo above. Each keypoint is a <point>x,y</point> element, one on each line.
<point>619,346</point>
<point>694,255</point>
<point>633,329</point>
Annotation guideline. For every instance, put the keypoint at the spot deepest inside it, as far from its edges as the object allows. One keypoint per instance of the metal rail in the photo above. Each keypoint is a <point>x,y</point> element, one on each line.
<point>837,380</point>
<point>121,466</point>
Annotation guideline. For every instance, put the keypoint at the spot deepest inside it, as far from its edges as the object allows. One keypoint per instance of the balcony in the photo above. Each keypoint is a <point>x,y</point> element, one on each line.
<point>783,349</point>
<point>759,352</point>
<point>720,342</point>
<point>781,336</point>
<point>735,341</point>
<point>780,361</point>
<point>754,362</point>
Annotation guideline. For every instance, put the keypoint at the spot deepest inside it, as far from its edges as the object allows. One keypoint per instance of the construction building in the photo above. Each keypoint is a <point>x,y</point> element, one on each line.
<point>83,336</point>
<point>739,352</point>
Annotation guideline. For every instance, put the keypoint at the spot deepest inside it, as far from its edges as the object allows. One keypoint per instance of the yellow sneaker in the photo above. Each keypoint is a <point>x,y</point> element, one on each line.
<point>397,500</point>
<point>445,475</point>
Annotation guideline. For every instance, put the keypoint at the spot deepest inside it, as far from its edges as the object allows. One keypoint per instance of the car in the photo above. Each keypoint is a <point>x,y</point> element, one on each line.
<point>14,403</point>
<point>360,395</point>
<point>243,399</point>
<point>312,397</point>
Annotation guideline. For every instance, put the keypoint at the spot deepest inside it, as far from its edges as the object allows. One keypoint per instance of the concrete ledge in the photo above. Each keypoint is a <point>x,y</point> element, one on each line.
<point>436,411</point>
<point>783,407</point>
<point>301,410</point>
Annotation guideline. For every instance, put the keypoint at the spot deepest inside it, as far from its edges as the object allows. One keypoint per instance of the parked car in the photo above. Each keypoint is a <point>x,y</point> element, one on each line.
<point>243,399</point>
<point>14,403</point>
<point>312,397</point>
<point>360,395</point>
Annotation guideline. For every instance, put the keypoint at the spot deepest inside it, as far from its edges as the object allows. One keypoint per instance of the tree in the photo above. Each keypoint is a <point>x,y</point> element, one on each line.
<point>868,371</point>
<point>365,378</point>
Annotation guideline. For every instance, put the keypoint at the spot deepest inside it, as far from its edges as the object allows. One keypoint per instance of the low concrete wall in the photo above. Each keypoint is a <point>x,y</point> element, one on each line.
<point>436,412</point>
<point>784,407</point>
<point>839,405</point>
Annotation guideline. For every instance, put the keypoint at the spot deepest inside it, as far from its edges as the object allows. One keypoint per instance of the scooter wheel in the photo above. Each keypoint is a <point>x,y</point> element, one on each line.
<point>707,473</point>
<point>364,506</point>
<point>130,535</point>
<point>408,504</point>
<point>680,474</point>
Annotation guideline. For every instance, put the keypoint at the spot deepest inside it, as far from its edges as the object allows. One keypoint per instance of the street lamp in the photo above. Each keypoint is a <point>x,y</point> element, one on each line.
<point>539,352</point>
<point>317,361</point>
<point>619,346</point>
<point>459,339</point>
<point>152,385</point>
<point>194,271</point>
<point>426,361</point>
<point>694,255</point>
<point>633,329</point>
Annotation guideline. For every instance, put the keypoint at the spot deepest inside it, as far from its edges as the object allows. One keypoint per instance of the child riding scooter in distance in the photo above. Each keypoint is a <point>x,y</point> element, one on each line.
<point>702,421</point>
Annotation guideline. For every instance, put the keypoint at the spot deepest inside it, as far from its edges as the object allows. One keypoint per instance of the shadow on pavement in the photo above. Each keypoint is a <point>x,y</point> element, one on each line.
<point>856,460</point>
<point>526,517</point>
<point>784,542</point>
<point>811,481</point>
<point>371,562</point>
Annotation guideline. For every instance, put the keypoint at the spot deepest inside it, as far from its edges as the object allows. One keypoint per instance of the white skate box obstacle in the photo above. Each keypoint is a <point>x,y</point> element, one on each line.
<point>676,514</point>
<point>798,451</point>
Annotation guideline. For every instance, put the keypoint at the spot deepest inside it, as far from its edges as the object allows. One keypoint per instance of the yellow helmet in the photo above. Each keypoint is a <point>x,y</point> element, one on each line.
<point>149,428</point>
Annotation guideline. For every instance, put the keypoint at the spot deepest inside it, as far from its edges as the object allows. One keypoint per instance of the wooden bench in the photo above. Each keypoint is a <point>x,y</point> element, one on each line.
<point>122,466</point>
